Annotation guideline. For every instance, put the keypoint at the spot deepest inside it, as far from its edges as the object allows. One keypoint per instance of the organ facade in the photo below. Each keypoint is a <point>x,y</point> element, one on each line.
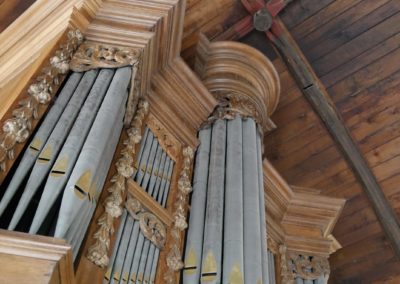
<point>121,164</point>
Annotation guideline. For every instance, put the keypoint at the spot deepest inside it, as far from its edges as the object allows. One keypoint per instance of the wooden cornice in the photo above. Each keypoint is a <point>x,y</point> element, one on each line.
<point>301,219</point>
<point>176,96</point>
<point>240,77</point>
<point>44,259</point>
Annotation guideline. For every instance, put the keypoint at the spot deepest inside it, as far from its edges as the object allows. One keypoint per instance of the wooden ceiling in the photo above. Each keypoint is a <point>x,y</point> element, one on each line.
<point>354,48</point>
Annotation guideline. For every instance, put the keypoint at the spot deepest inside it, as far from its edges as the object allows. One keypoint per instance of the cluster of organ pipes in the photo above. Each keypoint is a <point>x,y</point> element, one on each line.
<point>134,258</point>
<point>226,239</point>
<point>64,168</point>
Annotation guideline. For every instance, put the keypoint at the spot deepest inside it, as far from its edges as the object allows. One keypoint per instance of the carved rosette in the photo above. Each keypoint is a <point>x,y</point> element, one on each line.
<point>151,227</point>
<point>18,128</point>
<point>304,266</point>
<point>98,252</point>
<point>174,257</point>
<point>92,55</point>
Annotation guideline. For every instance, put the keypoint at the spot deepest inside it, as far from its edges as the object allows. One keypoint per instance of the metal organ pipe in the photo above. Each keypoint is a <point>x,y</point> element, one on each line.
<point>227,207</point>
<point>194,245</point>
<point>134,258</point>
<point>263,223</point>
<point>53,145</point>
<point>40,138</point>
<point>233,214</point>
<point>82,181</point>
<point>251,206</point>
<point>213,228</point>
<point>69,153</point>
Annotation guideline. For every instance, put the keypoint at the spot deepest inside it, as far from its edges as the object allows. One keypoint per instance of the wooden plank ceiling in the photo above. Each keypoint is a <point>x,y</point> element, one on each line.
<point>353,45</point>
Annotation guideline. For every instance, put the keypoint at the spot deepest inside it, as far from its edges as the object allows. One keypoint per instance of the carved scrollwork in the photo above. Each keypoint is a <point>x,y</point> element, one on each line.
<point>151,227</point>
<point>174,257</point>
<point>98,252</point>
<point>92,55</point>
<point>304,266</point>
<point>17,129</point>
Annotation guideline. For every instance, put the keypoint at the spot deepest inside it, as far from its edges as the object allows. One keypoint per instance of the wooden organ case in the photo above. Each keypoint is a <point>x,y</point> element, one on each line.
<point>137,190</point>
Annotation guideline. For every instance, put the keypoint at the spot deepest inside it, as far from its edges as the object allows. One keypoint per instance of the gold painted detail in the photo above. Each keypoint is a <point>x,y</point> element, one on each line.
<point>18,128</point>
<point>174,257</point>
<point>151,227</point>
<point>210,270</point>
<point>307,267</point>
<point>190,262</point>
<point>98,252</point>
<point>92,55</point>
<point>168,142</point>
<point>236,276</point>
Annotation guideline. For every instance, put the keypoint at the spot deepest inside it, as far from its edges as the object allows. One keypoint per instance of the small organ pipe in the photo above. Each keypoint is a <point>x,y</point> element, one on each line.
<point>194,245</point>
<point>164,197</point>
<point>150,164</point>
<point>233,221</point>
<point>53,145</point>
<point>122,250</point>
<point>213,228</point>
<point>251,206</point>
<point>154,172</point>
<point>130,252</point>
<point>40,138</point>
<point>133,276</point>
<point>139,156</point>
<point>81,181</point>
<point>65,162</point>
<point>163,180</point>
<point>118,237</point>
<point>145,158</point>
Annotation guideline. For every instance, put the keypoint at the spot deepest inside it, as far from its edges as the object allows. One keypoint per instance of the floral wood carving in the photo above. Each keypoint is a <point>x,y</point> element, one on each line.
<point>18,128</point>
<point>92,55</point>
<point>231,105</point>
<point>98,252</point>
<point>168,142</point>
<point>151,227</point>
<point>303,266</point>
<point>174,257</point>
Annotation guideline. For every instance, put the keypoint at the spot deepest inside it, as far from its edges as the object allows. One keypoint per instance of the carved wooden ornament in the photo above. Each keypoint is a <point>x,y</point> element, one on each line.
<point>92,55</point>
<point>98,252</point>
<point>174,257</point>
<point>151,227</point>
<point>18,128</point>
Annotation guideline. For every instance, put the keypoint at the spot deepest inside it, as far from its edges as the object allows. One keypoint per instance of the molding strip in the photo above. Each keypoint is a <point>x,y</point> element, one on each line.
<point>98,252</point>
<point>174,257</point>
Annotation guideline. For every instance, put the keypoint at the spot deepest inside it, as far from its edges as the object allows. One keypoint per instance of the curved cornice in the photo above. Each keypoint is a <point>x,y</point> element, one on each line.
<point>241,75</point>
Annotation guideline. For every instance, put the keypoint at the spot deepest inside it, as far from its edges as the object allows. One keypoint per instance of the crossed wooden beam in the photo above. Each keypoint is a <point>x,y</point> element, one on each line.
<point>263,17</point>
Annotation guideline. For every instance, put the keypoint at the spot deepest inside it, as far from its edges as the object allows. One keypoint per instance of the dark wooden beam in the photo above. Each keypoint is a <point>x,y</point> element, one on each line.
<point>322,104</point>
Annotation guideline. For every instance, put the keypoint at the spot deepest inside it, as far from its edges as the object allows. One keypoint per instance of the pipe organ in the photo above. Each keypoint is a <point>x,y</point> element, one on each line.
<point>99,144</point>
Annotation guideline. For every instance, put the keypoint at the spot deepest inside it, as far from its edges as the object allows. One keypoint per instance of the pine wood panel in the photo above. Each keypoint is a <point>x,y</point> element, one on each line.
<point>354,48</point>
<point>10,10</point>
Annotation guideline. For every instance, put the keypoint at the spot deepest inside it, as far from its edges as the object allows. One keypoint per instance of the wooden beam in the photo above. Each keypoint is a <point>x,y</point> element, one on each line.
<point>319,99</point>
